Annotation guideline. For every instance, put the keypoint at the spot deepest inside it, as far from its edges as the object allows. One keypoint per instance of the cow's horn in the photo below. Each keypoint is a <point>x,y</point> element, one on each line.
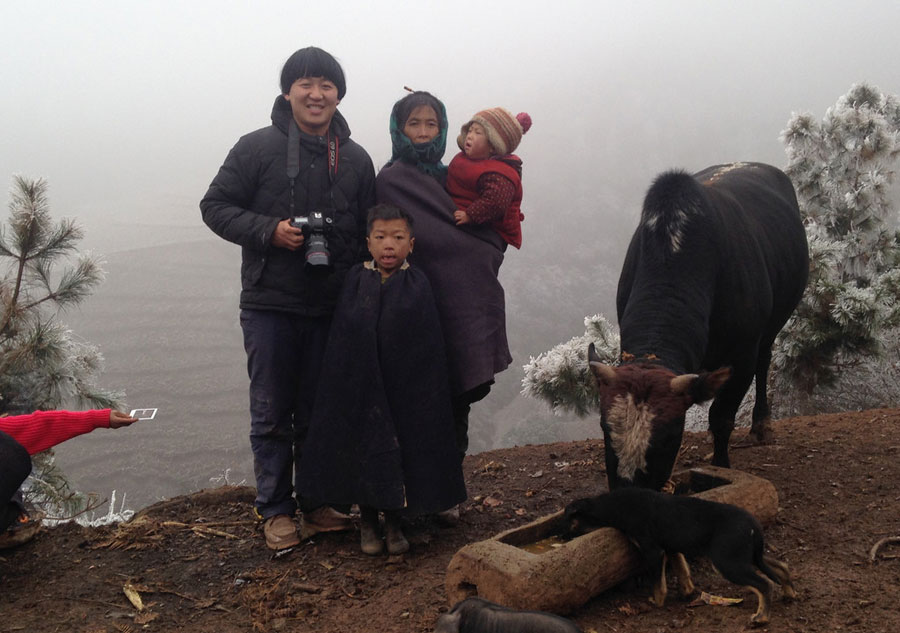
<point>682,383</point>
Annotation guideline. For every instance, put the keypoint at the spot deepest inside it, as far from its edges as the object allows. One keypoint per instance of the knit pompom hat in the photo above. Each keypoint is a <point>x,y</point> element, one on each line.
<point>504,131</point>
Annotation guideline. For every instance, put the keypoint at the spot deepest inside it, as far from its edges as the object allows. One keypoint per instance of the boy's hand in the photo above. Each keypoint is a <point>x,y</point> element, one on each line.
<point>461,217</point>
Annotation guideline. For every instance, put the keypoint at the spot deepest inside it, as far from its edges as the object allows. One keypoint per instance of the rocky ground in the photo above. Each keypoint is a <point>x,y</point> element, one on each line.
<point>197,563</point>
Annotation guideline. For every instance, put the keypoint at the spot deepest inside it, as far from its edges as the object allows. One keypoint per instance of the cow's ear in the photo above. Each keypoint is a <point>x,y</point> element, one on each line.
<point>701,387</point>
<point>604,374</point>
<point>708,385</point>
<point>682,384</point>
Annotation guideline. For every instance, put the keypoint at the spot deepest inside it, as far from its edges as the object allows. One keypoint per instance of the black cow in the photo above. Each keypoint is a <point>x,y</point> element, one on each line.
<point>664,526</point>
<point>477,615</point>
<point>716,266</point>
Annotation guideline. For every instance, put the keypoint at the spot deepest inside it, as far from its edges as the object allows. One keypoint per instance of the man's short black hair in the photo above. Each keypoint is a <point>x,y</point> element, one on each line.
<point>387,212</point>
<point>312,62</point>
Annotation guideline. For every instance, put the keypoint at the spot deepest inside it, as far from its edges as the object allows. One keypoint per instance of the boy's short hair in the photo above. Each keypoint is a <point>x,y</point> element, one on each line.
<point>312,62</point>
<point>387,212</point>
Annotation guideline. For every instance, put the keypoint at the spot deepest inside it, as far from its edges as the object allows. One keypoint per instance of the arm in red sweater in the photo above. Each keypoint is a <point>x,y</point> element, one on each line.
<point>496,193</point>
<point>44,429</point>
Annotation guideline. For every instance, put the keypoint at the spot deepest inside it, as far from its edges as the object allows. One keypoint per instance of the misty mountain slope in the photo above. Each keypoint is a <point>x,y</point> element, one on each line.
<point>166,320</point>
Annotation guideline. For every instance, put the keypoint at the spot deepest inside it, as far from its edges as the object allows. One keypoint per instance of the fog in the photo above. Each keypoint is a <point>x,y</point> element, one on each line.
<point>128,111</point>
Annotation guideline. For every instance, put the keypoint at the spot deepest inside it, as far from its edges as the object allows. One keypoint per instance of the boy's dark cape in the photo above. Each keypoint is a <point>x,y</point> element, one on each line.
<point>381,432</point>
<point>462,264</point>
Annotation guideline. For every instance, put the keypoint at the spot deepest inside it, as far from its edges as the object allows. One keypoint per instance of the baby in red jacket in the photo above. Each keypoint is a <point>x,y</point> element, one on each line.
<point>485,178</point>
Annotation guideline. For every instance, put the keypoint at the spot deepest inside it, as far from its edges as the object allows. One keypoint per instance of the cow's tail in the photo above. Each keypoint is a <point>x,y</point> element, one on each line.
<point>673,199</point>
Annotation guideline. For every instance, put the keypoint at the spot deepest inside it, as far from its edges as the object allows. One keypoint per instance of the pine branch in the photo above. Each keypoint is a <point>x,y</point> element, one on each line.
<point>41,365</point>
<point>60,242</point>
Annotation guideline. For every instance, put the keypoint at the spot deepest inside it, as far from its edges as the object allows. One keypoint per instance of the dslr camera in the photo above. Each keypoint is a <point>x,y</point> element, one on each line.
<point>315,227</point>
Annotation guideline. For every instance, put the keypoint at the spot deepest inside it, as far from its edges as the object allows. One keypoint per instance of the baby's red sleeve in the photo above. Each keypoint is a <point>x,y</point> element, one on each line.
<point>495,195</point>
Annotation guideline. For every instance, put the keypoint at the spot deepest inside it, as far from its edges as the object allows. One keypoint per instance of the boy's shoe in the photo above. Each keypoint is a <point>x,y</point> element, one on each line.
<point>369,532</point>
<point>280,532</point>
<point>324,519</point>
<point>396,541</point>
<point>369,539</point>
<point>449,517</point>
<point>22,531</point>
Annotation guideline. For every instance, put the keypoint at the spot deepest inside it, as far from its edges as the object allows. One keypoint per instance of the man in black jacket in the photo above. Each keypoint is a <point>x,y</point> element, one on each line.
<point>304,166</point>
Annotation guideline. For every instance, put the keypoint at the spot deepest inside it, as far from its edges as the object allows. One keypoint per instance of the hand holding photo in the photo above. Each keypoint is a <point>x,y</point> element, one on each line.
<point>143,414</point>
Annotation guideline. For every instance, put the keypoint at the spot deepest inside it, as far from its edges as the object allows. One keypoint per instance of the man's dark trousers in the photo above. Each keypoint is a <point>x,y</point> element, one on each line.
<point>284,358</point>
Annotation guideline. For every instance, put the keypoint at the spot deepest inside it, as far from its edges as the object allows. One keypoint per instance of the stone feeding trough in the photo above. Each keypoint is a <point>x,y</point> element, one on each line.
<point>530,567</point>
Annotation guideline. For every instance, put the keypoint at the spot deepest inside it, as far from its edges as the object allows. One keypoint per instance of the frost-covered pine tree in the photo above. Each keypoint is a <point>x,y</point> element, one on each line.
<point>42,365</point>
<point>842,167</point>
<point>561,376</point>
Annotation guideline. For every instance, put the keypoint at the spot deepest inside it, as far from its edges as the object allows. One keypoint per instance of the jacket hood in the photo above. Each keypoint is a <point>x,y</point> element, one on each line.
<point>282,116</point>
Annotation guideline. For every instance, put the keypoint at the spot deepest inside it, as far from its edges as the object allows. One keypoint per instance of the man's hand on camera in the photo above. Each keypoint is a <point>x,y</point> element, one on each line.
<point>287,236</point>
<point>117,419</point>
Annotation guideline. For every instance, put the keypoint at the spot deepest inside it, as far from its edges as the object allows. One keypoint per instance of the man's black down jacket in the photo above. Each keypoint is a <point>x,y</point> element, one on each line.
<point>251,194</point>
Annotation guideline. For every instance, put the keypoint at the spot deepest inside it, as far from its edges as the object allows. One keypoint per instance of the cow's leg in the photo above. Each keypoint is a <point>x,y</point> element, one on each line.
<point>724,408</point>
<point>761,429</point>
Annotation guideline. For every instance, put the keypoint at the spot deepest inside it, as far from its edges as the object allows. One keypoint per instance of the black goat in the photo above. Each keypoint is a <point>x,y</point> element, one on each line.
<point>666,526</point>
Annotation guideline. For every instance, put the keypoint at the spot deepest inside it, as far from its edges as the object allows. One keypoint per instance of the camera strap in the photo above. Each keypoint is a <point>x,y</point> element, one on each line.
<point>334,148</point>
<point>293,158</point>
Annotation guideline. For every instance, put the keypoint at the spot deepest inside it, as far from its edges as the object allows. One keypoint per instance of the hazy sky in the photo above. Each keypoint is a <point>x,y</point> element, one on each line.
<point>128,108</point>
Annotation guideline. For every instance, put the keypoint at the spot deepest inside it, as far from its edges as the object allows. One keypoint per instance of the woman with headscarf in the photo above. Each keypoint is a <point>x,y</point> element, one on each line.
<point>461,262</point>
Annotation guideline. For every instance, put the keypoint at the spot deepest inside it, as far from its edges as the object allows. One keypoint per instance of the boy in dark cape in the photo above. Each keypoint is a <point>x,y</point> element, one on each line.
<point>382,433</point>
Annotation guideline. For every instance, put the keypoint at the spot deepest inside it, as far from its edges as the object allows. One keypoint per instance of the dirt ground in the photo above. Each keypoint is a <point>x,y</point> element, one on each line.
<point>198,562</point>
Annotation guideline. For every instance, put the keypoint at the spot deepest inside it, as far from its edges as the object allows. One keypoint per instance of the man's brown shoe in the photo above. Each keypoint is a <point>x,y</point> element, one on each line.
<point>324,519</point>
<point>281,532</point>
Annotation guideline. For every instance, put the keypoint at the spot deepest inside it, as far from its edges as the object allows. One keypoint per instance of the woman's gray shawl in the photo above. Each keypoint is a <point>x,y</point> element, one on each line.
<point>462,264</point>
